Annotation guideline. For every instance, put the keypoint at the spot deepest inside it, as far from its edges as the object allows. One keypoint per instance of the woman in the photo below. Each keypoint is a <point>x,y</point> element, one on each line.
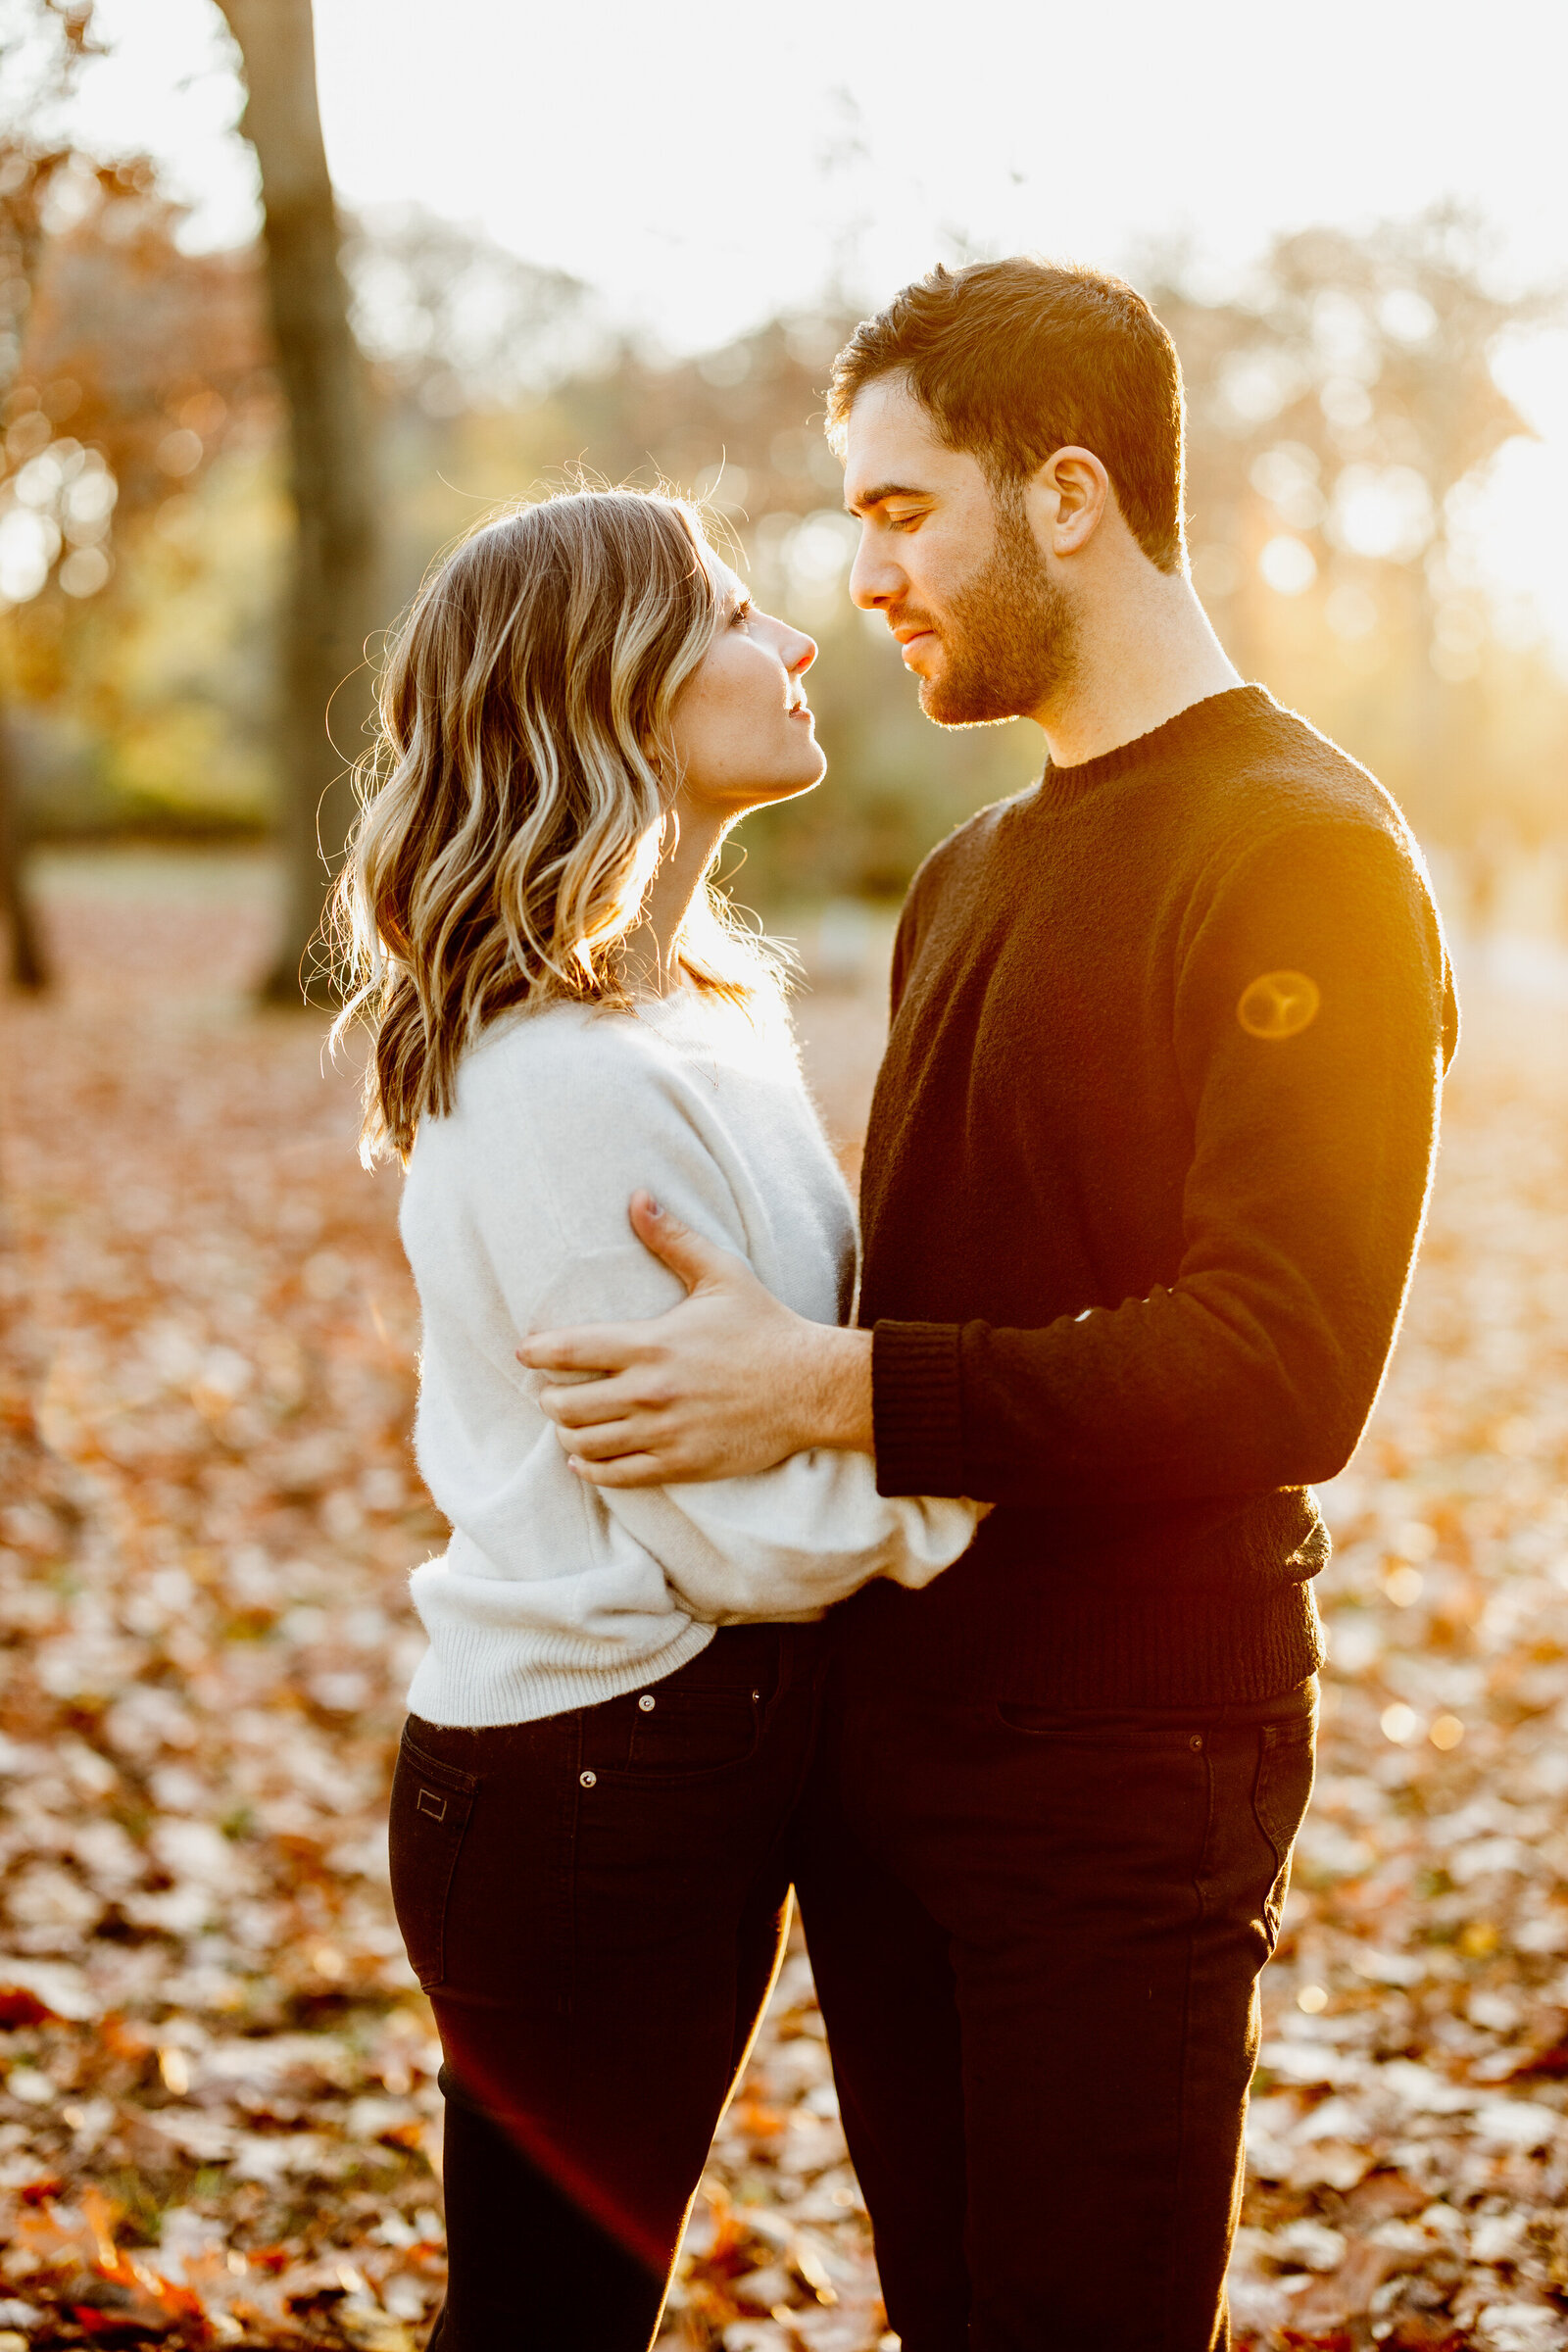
<point>614,1715</point>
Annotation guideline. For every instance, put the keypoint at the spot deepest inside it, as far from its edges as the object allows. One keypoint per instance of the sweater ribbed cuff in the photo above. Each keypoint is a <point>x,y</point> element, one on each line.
<point>917,1409</point>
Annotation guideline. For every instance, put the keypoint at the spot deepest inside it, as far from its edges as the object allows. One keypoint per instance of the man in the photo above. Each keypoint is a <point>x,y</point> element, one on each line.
<point>1146,1170</point>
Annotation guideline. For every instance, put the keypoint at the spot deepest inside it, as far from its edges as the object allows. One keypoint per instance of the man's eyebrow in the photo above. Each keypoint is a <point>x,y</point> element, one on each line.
<point>882,492</point>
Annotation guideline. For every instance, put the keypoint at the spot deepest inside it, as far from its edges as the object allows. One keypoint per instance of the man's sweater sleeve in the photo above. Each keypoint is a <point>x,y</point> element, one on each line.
<point>1312,1016</point>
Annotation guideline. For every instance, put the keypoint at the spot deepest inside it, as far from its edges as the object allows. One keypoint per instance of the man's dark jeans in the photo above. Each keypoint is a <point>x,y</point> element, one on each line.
<point>1037,1938</point>
<point>596,1905</point>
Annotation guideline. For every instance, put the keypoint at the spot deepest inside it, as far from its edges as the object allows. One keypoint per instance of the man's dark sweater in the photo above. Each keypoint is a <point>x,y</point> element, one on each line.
<point>1146,1171</point>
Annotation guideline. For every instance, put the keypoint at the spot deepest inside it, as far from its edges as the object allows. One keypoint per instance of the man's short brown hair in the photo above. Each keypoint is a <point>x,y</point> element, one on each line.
<point>1014,360</point>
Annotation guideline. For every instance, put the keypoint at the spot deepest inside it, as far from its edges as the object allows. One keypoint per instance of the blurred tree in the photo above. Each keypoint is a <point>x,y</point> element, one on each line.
<point>151,705</point>
<point>42,46</point>
<point>334,601</point>
<point>451,320</point>
<point>114,345</point>
<point>141,364</point>
<point>154,364</point>
<point>1338,400</point>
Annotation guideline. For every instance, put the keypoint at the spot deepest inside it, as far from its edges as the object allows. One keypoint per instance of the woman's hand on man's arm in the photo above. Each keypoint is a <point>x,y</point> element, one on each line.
<point>723,1384</point>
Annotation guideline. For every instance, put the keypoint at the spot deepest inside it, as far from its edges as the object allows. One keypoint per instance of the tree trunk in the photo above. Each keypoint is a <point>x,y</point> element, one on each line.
<point>25,955</point>
<point>25,965</point>
<point>332,600</point>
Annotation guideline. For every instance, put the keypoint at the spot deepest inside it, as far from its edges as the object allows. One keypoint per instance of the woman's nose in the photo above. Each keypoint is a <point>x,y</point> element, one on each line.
<point>801,655</point>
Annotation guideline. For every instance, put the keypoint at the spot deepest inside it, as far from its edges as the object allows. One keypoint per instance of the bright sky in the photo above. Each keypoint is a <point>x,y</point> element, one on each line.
<point>701,164</point>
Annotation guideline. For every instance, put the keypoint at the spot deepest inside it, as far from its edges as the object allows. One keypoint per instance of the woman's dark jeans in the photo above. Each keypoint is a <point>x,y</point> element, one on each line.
<point>596,1906</point>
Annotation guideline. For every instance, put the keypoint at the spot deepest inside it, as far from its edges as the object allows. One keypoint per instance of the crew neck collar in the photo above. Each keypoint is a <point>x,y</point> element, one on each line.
<point>1201,722</point>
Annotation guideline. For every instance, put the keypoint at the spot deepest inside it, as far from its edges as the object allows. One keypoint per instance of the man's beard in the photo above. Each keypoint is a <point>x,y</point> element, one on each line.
<point>1009,635</point>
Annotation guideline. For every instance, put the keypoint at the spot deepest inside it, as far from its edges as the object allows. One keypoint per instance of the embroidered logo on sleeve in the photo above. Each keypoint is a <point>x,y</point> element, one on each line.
<point>1279,1005</point>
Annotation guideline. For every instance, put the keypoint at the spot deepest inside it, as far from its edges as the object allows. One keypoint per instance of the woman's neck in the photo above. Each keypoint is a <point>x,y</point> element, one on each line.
<point>651,950</point>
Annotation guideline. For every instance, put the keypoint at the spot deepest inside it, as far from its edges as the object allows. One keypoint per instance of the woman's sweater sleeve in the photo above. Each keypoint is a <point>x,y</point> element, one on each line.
<point>787,1542</point>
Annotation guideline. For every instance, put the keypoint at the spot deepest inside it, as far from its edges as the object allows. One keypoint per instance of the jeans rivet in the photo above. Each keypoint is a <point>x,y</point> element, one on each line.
<point>588,1778</point>
<point>646,1702</point>
<point>1195,1741</point>
<point>756,1696</point>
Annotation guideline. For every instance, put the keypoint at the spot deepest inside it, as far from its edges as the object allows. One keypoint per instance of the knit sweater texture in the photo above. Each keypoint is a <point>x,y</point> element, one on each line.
<point>1148,1163</point>
<point>553,1593</point>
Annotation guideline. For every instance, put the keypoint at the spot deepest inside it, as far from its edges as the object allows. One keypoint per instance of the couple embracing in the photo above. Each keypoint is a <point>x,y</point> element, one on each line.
<point>985,1620</point>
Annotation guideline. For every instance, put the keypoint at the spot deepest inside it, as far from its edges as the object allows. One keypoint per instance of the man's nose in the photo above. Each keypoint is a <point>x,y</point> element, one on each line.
<point>874,579</point>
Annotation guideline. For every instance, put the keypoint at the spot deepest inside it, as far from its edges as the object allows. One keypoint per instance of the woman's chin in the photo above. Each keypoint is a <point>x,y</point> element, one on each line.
<point>789,786</point>
<point>806,783</point>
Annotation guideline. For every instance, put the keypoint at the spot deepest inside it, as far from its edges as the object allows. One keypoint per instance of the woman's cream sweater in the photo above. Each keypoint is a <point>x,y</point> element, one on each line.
<point>553,1594</point>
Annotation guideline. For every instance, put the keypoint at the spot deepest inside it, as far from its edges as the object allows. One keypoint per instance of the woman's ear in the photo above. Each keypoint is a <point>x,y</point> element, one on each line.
<point>660,758</point>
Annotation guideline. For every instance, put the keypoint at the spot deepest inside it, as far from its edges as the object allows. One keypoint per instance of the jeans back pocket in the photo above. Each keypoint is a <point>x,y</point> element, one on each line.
<point>431,1802</point>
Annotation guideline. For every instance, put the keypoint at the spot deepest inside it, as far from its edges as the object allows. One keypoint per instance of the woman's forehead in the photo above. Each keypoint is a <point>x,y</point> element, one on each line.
<point>727,583</point>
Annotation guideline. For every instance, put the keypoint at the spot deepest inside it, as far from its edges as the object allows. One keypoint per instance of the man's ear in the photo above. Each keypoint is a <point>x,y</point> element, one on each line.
<point>1068,498</point>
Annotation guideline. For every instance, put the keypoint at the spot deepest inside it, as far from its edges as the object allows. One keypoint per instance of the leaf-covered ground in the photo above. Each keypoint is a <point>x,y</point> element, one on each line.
<point>219,2118</point>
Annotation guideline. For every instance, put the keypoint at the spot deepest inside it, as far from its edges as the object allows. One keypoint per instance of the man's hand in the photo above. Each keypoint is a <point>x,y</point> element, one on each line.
<point>727,1383</point>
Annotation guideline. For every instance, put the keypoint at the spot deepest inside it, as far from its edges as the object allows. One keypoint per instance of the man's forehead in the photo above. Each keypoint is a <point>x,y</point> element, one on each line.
<point>890,444</point>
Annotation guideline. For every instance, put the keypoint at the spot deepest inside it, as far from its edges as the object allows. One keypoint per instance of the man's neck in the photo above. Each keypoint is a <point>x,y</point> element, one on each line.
<point>1142,654</point>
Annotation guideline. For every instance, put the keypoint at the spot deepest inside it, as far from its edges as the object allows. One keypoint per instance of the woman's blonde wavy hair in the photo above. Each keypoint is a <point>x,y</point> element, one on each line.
<point>516,798</point>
